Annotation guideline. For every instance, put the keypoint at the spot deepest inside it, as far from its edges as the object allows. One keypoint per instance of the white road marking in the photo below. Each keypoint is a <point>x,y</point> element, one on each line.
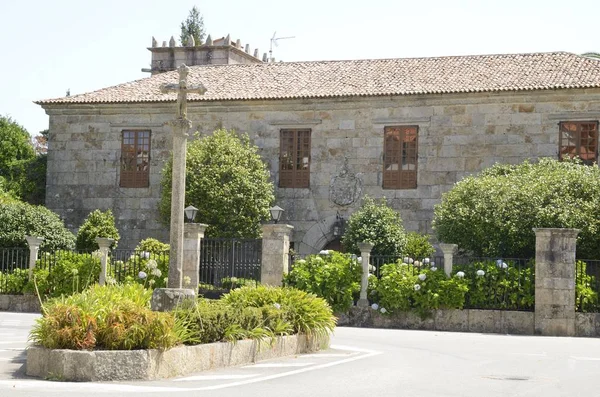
<point>585,358</point>
<point>215,377</point>
<point>107,387</point>
<point>13,342</point>
<point>317,355</point>
<point>278,365</point>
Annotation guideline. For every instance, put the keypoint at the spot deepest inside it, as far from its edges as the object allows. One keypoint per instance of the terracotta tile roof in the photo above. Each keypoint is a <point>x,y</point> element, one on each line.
<point>407,76</point>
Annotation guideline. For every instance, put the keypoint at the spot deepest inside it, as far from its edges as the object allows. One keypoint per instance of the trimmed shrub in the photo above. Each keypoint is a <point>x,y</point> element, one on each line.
<point>18,220</point>
<point>378,224</point>
<point>14,282</point>
<point>97,224</point>
<point>418,246</point>
<point>334,277</point>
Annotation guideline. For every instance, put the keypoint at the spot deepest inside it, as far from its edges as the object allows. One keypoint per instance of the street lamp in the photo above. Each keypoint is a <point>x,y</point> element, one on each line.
<point>276,213</point>
<point>190,213</point>
<point>338,225</point>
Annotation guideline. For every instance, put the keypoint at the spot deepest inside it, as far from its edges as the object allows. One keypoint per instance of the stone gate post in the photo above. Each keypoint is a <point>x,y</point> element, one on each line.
<point>34,247</point>
<point>555,281</point>
<point>193,233</point>
<point>275,253</point>
<point>104,244</point>
<point>365,253</point>
<point>448,250</point>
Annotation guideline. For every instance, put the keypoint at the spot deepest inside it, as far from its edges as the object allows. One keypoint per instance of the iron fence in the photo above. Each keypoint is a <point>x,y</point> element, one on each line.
<point>130,263</point>
<point>587,286</point>
<point>229,257</point>
<point>48,258</point>
<point>377,262</point>
<point>14,265</point>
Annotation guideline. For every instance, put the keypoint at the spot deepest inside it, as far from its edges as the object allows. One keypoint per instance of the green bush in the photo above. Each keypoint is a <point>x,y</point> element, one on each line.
<point>334,277</point>
<point>18,220</point>
<point>378,224</point>
<point>106,317</point>
<point>494,213</point>
<point>586,298</point>
<point>97,224</point>
<point>418,246</point>
<point>237,282</point>
<point>13,282</point>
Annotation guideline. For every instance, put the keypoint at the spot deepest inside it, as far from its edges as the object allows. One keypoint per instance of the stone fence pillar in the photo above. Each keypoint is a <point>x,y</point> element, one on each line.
<point>448,250</point>
<point>275,253</point>
<point>104,244</point>
<point>34,247</point>
<point>555,281</point>
<point>365,253</point>
<point>193,233</point>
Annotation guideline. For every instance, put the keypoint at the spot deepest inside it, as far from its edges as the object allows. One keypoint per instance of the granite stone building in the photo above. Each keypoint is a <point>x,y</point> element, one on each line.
<point>330,132</point>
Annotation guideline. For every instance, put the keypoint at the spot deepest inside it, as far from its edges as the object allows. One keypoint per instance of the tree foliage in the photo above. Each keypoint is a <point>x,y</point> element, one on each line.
<point>97,224</point>
<point>227,181</point>
<point>378,224</point>
<point>193,26</point>
<point>494,213</point>
<point>18,219</point>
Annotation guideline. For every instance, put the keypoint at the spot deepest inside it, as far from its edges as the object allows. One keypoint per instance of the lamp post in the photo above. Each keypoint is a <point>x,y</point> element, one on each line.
<point>190,213</point>
<point>276,212</point>
<point>338,225</point>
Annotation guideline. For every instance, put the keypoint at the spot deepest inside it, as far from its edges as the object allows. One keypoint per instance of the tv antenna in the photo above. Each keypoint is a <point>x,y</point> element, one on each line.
<point>274,43</point>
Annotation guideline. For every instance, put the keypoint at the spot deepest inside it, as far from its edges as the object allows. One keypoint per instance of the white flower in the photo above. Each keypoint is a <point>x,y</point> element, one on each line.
<point>417,287</point>
<point>187,280</point>
<point>460,274</point>
<point>410,261</point>
<point>166,280</point>
<point>145,254</point>
<point>433,268</point>
<point>142,275</point>
<point>151,282</point>
<point>432,264</point>
<point>233,280</point>
<point>426,261</point>
<point>480,273</point>
<point>422,277</point>
<point>359,259</point>
<point>372,275</point>
<point>277,306</point>
<point>499,263</point>
<point>417,264</point>
<point>110,281</point>
<point>97,254</point>
<point>374,306</point>
<point>324,252</point>
<point>504,265</point>
<point>300,261</point>
<point>156,272</point>
<point>382,310</point>
<point>405,259</point>
<point>151,264</point>
<point>371,268</point>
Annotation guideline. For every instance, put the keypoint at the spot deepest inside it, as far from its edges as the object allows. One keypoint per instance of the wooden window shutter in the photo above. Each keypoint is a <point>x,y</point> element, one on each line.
<point>400,148</point>
<point>135,159</point>
<point>579,139</point>
<point>294,158</point>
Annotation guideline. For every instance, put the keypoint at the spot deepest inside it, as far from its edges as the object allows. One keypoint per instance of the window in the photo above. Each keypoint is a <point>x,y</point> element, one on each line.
<point>294,158</point>
<point>135,159</point>
<point>400,157</point>
<point>579,138</point>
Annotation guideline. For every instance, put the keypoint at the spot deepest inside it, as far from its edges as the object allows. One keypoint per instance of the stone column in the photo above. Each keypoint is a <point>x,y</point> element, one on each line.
<point>365,253</point>
<point>275,253</point>
<point>34,247</point>
<point>193,233</point>
<point>448,250</point>
<point>555,281</point>
<point>104,244</point>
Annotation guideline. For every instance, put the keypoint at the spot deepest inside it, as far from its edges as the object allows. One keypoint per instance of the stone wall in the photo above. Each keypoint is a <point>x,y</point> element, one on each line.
<point>459,134</point>
<point>20,303</point>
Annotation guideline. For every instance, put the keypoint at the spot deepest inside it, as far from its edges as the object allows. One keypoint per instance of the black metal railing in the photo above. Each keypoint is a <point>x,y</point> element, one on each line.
<point>587,286</point>
<point>377,262</point>
<point>499,284</point>
<point>48,258</point>
<point>125,264</point>
<point>229,257</point>
<point>14,265</point>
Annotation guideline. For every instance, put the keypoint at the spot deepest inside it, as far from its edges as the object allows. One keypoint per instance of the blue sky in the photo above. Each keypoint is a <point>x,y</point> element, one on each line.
<point>49,46</point>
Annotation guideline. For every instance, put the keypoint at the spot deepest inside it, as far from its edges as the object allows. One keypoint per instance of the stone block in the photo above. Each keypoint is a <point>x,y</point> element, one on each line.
<point>166,299</point>
<point>518,323</point>
<point>414,321</point>
<point>485,320</point>
<point>585,324</point>
<point>451,320</point>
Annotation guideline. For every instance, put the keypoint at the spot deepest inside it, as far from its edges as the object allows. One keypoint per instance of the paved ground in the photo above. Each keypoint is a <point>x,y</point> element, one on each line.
<point>362,362</point>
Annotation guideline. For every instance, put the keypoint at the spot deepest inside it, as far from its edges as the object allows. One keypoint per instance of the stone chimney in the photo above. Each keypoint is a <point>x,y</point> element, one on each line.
<point>223,51</point>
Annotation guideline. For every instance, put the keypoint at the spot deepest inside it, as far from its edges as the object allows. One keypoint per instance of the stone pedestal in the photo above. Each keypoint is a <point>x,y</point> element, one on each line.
<point>448,250</point>
<point>365,253</point>
<point>166,299</point>
<point>275,253</point>
<point>193,233</point>
<point>104,244</point>
<point>34,247</point>
<point>555,281</point>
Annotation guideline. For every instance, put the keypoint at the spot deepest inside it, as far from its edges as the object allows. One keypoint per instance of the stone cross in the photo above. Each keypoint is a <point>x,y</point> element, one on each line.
<point>180,125</point>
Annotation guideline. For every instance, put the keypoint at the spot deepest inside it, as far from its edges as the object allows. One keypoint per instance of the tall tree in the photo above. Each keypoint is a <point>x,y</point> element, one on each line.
<point>193,26</point>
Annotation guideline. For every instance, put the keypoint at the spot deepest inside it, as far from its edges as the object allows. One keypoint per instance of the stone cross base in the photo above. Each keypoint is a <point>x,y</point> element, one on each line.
<point>166,299</point>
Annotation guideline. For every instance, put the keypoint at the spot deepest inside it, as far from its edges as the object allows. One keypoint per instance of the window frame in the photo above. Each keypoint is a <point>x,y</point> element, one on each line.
<point>137,178</point>
<point>563,150</point>
<point>400,178</point>
<point>291,175</point>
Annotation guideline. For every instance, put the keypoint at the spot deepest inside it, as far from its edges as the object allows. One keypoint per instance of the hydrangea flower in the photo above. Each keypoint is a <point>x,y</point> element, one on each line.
<point>151,264</point>
<point>426,261</point>
<point>417,263</point>
<point>405,259</point>
<point>277,306</point>
<point>480,273</point>
<point>417,287</point>
<point>382,310</point>
<point>374,306</point>
<point>142,275</point>
<point>433,268</point>
<point>151,282</point>
<point>301,261</point>
<point>422,277</point>
<point>359,259</point>
<point>145,255</point>
<point>156,272</point>
<point>233,279</point>
<point>460,274</point>
<point>371,268</point>
<point>432,263</point>
<point>504,265</point>
<point>499,262</point>
<point>324,252</point>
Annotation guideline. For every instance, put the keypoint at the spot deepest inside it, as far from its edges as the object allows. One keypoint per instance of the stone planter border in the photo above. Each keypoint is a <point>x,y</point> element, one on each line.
<point>20,303</point>
<point>119,365</point>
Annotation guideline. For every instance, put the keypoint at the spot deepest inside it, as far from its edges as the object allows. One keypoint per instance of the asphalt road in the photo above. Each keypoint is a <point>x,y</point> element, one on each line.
<point>362,362</point>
